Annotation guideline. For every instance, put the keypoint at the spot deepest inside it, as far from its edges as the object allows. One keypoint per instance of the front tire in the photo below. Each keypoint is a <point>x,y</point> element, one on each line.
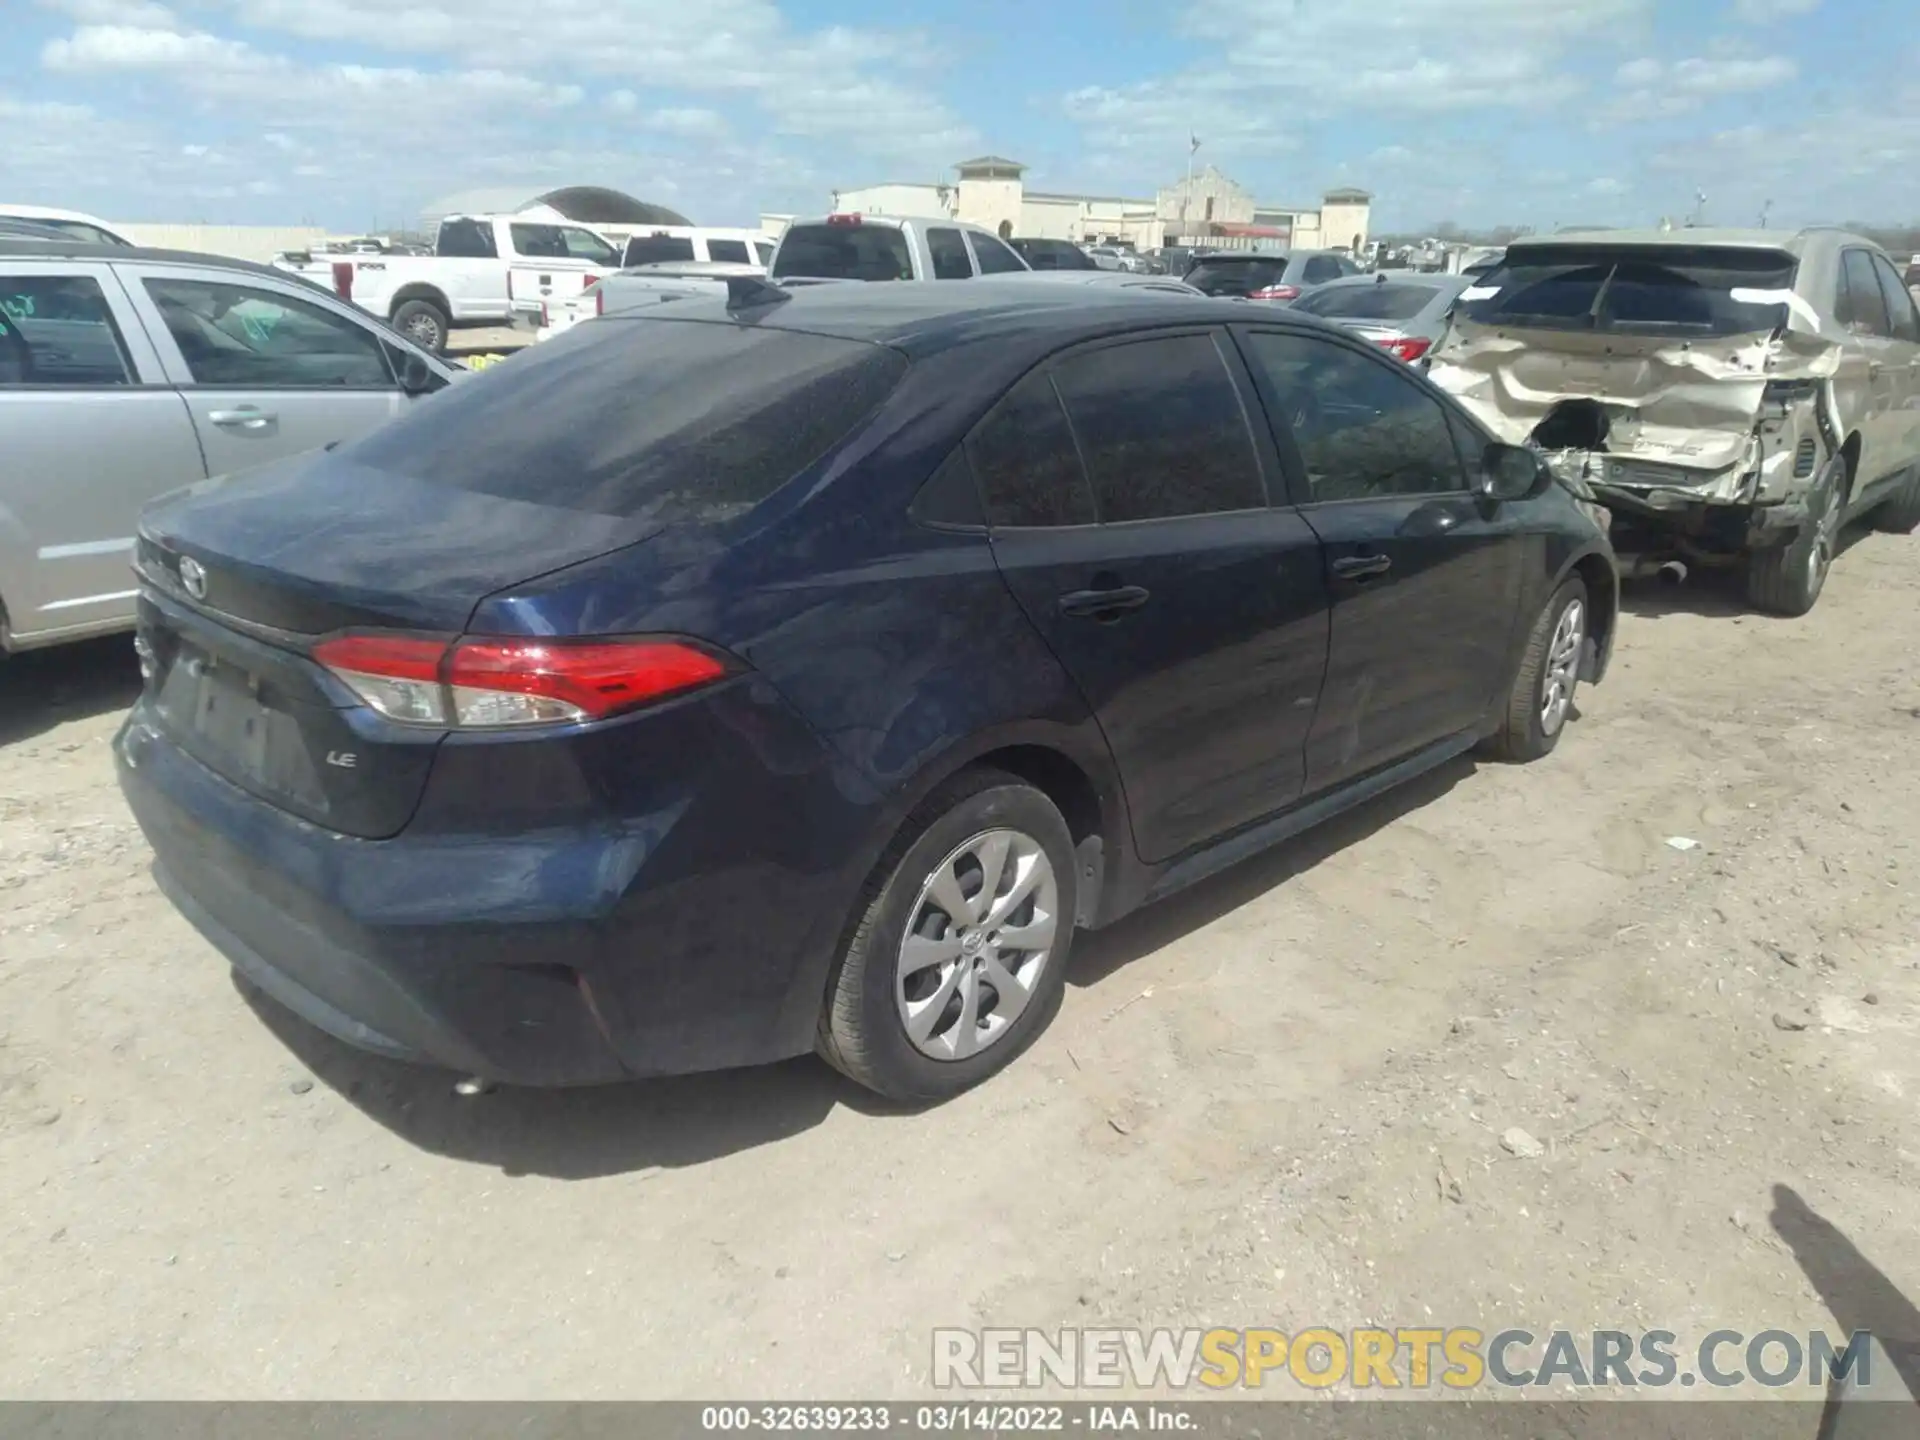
<point>424,323</point>
<point>959,956</point>
<point>1541,700</point>
<point>1787,580</point>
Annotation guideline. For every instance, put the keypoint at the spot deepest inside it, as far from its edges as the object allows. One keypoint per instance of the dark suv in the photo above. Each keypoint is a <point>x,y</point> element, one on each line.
<point>704,689</point>
<point>1052,254</point>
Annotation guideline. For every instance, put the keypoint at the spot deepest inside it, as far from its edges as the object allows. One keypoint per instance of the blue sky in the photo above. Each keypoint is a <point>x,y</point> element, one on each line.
<point>356,113</point>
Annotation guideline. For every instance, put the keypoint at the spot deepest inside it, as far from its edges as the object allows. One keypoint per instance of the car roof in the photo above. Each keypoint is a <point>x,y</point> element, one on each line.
<point>49,212</point>
<point>18,248</point>
<point>869,218</point>
<point>1428,279</point>
<point>926,317</point>
<point>1795,242</point>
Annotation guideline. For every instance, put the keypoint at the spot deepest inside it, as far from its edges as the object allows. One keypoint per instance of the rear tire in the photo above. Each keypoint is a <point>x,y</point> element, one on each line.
<point>912,1005</point>
<point>1541,701</point>
<point>424,323</point>
<point>1787,580</point>
<point>1900,515</point>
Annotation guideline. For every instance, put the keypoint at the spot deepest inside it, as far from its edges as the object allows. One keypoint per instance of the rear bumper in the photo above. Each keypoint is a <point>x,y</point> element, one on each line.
<point>543,958</point>
<point>1727,526</point>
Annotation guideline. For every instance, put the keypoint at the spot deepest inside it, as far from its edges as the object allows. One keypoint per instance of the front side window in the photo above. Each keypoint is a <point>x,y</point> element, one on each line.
<point>1024,459</point>
<point>994,257</point>
<point>538,242</point>
<point>585,245</point>
<point>1162,429</point>
<point>57,330</point>
<point>1320,269</point>
<point>235,335</point>
<point>949,254</point>
<point>1364,431</point>
<point>732,251</point>
<point>657,249</point>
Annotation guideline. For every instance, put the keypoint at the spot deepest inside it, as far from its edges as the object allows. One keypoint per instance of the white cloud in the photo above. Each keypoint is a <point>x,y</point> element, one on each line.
<point>1765,12</point>
<point>623,102</point>
<point>1726,76</point>
<point>143,13</point>
<point>1606,185</point>
<point>132,47</point>
<point>687,120</point>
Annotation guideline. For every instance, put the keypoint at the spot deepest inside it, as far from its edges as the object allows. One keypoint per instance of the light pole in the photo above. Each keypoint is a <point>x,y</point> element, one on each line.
<point>1766,206</point>
<point>1186,195</point>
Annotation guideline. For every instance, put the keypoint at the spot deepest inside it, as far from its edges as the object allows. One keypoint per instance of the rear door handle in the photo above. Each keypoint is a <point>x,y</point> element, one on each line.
<point>1103,604</point>
<point>1361,567</point>
<point>245,418</point>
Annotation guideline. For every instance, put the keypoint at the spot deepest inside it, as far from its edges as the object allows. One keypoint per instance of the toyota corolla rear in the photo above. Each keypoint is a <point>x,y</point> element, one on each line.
<point>445,740</point>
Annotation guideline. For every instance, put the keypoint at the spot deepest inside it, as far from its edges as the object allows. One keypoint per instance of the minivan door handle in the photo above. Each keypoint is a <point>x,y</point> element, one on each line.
<point>245,418</point>
<point>1362,567</point>
<point>1103,605</point>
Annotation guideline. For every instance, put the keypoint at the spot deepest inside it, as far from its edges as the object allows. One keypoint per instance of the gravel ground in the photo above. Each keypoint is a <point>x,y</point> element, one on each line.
<point>1279,1099</point>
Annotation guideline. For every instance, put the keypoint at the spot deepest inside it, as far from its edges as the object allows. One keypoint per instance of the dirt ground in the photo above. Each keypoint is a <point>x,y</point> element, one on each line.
<point>1276,1100</point>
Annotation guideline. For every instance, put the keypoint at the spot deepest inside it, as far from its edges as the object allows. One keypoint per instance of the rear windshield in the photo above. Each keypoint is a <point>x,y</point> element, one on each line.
<point>844,252</point>
<point>1686,290</point>
<point>656,249</point>
<point>1217,276</point>
<point>1379,301</point>
<point>666,420</point>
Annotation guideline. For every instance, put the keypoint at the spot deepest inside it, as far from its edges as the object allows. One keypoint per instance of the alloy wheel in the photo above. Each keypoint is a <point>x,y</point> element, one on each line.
<point>1562,672</point>
<point>978,938</point>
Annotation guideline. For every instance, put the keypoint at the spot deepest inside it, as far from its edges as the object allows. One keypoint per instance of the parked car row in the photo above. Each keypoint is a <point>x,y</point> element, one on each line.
<point>779,663</point>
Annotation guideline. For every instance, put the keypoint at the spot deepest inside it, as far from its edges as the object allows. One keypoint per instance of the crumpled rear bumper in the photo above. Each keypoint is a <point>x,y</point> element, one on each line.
<point>1713,525</point>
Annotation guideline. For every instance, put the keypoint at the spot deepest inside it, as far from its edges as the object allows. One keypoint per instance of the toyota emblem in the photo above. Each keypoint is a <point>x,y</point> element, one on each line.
<point>193,575</point>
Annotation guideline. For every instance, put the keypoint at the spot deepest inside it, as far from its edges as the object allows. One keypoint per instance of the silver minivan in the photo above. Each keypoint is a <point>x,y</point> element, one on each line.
<point>125,373</point>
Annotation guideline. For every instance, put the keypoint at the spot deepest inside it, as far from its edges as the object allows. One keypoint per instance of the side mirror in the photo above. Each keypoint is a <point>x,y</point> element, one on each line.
<point>416,376</point>
<point>1511,472</point>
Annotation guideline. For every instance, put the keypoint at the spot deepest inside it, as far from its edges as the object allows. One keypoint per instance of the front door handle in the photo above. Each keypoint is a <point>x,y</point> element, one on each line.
<point>1362,567</point>
<point>1103,604</point>
<point>247,417</point>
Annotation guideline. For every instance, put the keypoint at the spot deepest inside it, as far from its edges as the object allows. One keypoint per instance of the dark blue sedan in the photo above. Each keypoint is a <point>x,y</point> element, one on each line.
<point>798,671</point>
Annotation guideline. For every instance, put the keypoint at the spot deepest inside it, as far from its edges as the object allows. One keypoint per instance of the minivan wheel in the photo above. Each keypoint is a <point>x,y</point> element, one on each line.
<point>1541,700</point>
<point>424,323</point>
<point>1788,579</point>
<point>959,957</point>
<point>1900,515</point>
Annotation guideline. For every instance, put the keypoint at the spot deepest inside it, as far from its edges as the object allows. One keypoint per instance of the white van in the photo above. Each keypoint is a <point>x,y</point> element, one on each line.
<point>680,243</point>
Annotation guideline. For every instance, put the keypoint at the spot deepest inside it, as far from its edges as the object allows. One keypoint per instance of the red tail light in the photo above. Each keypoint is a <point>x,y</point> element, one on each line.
<point>599,301</point>
<point>1275,292</point>
<point>843,219</point>
<point>343,279</point>
<point>592,280</point>
<point>492,682</point>
<point>1408,348</point>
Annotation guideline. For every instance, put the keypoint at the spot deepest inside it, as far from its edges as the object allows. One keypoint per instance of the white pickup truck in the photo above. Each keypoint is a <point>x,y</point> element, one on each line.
<point>485,269</point>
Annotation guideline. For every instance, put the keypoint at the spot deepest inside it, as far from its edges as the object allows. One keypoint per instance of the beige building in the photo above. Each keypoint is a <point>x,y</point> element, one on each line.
<point>1208,209</point>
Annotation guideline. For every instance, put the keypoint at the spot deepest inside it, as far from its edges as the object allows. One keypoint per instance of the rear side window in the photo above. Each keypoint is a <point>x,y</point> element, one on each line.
<point>676,421</point>
<point>994,257</point>
<point>538,242</point>
<point>1024,459</point>
<point>466,240</point>
<point>1861,307</point>
<point>1380,301</point>
<point>844,252</point>
<point>57,330</point>
<point>949,255</point>
<point>1162,429</point>
<point>732,251</point>
<point>1364,431</point>
<point>1320,269</point>
<point>1214,276</point>
<point>656,249</point>
<point>1900,311</point>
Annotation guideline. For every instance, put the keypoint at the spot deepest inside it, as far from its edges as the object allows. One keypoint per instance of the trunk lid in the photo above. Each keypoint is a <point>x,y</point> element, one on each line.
<point>242,574</point>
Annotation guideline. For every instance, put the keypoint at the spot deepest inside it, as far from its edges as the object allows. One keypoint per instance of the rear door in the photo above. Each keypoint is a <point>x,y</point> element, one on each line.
<point>947,249</point>
<point>1425,578</point>
<point>267,369</point>
<point>90,430</point>
<point>1126,498</point>
<point>1903,361</point>
<point>995,257</point>
<point>1862,310</point>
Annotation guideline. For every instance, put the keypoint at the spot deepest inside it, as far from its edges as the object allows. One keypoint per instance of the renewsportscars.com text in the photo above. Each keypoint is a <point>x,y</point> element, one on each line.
<point>1416,1358</point>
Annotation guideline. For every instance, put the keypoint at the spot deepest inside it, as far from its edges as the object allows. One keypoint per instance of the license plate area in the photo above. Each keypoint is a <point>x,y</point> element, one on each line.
<point>234,723</point>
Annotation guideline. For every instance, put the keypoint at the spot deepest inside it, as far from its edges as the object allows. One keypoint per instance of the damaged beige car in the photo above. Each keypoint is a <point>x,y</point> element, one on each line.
<point>1732,397</point>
